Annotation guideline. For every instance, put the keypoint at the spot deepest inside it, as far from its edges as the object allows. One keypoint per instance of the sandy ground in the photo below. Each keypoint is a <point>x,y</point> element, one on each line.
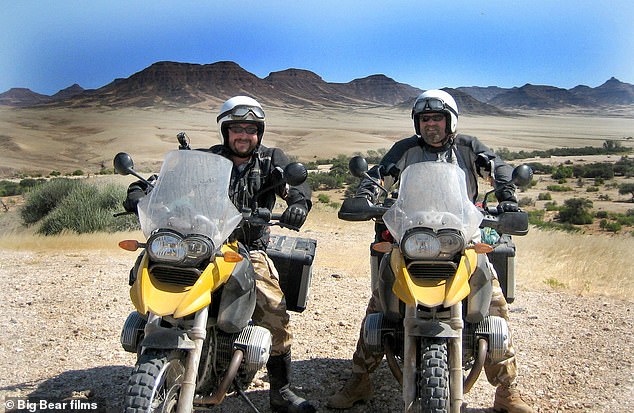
<point>64,304</point>
<point>44,140</point>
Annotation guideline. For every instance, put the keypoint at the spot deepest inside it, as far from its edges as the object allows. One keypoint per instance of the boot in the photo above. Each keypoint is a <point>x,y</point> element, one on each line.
<point>281,397</point>
<point>357,388</point>
<point>508,399</point>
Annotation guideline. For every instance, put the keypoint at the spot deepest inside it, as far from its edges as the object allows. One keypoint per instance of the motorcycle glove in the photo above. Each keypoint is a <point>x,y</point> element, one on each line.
<point>508,206</point>
<point>132,200</point>
<point>294,216</point>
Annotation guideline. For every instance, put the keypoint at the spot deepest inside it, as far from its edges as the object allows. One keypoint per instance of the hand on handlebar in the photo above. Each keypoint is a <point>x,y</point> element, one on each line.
<point>294,216</point>
<point>508,206</point>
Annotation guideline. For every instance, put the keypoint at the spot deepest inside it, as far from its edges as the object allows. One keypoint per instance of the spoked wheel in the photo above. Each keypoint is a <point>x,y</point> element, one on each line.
<point>155,383</point>
<point>432,375</point>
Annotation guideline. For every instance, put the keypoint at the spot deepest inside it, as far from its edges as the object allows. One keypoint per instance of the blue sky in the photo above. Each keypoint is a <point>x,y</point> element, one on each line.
<point>48,45</point>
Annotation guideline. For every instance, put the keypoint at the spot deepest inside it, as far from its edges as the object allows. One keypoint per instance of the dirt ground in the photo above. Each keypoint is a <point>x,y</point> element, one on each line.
<point>64,307</point>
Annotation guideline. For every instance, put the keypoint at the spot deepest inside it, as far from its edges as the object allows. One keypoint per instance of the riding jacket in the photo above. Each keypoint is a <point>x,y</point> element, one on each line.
<point>471,155</point>
<point>248,190</point>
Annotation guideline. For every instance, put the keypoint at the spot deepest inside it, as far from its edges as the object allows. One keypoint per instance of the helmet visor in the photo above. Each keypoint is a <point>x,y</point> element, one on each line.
<point>432,105</point>
<point>241,112</point>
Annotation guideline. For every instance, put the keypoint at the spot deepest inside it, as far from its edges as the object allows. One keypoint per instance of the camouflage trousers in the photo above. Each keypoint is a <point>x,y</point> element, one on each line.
<point>270,308</point>
<point>504,372</point>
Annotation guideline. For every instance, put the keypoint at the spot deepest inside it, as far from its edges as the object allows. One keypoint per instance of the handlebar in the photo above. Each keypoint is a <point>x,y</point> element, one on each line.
<point>360,209</point>
<point>263,216</point>
<point>512,223</point>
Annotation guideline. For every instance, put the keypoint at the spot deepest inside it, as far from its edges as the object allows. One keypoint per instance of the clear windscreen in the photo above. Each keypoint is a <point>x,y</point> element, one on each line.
<point>433,195</point>
<point>191,196</point>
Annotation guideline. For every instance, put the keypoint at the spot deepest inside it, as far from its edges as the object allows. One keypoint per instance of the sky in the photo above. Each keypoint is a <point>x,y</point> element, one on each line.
<point>47,46</point>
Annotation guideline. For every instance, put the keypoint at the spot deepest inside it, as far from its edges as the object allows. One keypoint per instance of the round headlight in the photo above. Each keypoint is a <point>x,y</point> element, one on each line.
<point>197,247</point>
<point>421,245</point>
<point>451,243</point>
<point>166,247</point>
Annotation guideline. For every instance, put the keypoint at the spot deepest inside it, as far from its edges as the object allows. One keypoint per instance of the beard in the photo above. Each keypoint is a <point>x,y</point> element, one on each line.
<point>242,149</point>
<point>434,136</point>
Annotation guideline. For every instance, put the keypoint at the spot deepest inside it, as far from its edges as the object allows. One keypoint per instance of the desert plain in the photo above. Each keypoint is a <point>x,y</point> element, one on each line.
<point>41,140</point>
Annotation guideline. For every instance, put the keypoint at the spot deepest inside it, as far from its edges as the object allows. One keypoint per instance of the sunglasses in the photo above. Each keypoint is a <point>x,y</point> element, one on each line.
<point>241,112</point>
<point>249,130</point>
<point>435,118</point>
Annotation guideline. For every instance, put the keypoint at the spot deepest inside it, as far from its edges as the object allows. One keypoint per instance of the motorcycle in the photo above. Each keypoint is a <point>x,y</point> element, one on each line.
<point>434,327</point>
<point>193,287</point>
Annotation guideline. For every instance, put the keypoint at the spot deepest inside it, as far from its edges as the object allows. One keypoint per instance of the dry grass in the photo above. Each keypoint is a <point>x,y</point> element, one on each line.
<point>584,264</point>
<point>27,240</point>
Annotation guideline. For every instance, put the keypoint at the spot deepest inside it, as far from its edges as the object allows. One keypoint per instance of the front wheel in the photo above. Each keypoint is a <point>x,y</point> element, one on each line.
<point>155,383</point>
<point>432,374</point>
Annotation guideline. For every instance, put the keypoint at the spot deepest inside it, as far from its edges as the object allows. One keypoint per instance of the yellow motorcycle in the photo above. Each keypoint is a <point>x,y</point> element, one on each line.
<point>434,326</point>
<point>193,288</point>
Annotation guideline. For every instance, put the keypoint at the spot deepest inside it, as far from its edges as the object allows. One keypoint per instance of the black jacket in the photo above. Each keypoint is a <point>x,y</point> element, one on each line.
<point>471,155</point>
<point>247,182</point>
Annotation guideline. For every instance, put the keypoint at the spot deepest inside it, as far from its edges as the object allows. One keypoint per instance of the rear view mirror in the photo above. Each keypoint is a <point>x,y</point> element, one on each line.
<point>295,173</point>
<point>123,163</point>
<point>522,175</point>
<point>358,166</point>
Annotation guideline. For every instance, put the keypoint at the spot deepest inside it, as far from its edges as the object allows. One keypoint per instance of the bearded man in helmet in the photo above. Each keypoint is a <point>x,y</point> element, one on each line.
<point>435,116</point>
<point>241,123</point>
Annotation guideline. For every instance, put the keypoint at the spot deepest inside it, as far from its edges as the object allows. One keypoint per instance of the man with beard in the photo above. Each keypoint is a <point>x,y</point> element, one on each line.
<point>435,116</point>
<point>255,167</point>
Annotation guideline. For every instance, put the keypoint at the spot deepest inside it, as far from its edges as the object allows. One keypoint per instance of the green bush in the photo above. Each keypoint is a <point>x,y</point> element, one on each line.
<point>323,198</point>
<point>610,226</point>
<point>44,198</point>
<point>8,188</point>
<point>576,211</point>
<point>526,201</point>
<point>558,188</point>
<point>551,206</point>
<point>73,205</point>
<point>544,196</point>
<point>601,214</point>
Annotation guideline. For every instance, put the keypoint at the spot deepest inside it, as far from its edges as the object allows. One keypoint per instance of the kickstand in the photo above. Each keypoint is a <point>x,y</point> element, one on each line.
<point>244,396</point>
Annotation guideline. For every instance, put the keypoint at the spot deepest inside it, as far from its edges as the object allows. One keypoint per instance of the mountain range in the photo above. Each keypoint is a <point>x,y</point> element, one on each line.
<point>174,84</point>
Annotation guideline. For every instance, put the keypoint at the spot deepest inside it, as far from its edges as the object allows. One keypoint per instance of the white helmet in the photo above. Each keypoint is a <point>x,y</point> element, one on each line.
<point>240,109</point>
<point>435,100</point>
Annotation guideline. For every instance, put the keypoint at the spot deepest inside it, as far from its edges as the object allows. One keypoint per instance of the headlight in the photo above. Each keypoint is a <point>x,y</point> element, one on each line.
<point>171,247</point>
<point>426,244</point>
<point>421,245</point>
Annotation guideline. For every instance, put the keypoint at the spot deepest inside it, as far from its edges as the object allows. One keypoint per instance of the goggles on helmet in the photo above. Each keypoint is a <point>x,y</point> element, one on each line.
<point>432,105</point>
<point>240,112</point>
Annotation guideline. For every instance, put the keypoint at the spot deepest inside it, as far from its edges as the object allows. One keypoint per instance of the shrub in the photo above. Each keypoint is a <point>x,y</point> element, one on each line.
<point>627,188</point>
<point>323,198</point>
<point>551,206</point>
<point>88,209</point>
<point>601,214</point>
<point>544,196</point>
<point>526,201</point>
<point>576,211</point>
<point>44,198</point>
<point>558,188</point>
<point>610,226</point>
<point>73,205</point>
<point>8,188</point>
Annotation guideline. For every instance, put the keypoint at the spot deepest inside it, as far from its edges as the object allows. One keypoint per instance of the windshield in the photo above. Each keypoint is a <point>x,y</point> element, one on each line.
<point>433,195</point>
<point>191,196</point>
